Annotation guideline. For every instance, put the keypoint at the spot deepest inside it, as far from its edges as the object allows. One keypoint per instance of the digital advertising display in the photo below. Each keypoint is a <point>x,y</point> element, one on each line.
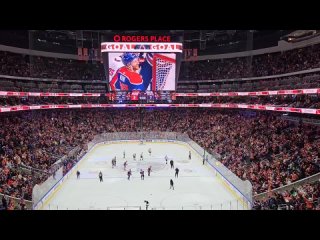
<point>142,66</point>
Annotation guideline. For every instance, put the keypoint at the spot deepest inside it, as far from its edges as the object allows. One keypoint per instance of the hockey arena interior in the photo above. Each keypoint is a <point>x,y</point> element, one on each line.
<point>160,120</point>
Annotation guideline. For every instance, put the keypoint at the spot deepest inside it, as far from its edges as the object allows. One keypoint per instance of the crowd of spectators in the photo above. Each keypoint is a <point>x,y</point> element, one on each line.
<point>298,101</point>
<point>265,149</point>
<point>304,197</point>
<point>300,81</point>
<point>253,66</point>
<point>269,152</point>
<point>260,65</point>
<point>13,64</point>
<point>38,139</point>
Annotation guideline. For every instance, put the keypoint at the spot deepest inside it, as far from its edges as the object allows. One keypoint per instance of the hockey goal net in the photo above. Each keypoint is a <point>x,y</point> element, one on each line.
<point>163,70</point>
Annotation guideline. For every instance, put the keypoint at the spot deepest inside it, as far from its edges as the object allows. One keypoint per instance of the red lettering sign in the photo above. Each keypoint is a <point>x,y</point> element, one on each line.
<point>140,38</point>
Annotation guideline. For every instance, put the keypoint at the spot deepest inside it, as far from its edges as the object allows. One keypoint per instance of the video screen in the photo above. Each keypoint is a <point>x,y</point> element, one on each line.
<point>142,66</point>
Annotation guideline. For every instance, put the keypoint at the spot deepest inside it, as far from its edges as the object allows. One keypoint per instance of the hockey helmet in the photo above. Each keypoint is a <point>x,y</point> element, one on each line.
<point>128,58</point>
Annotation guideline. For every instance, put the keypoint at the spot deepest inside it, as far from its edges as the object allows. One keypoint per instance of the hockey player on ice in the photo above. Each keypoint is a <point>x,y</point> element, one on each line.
<point>134,156</point>
<point>149,150</point>
<point>125,165</point>
<point>189,155</point>
<point>176,172</point>
<point>141,156</point>
<point>129,174</point>
<point>149,170</point>
<point>171,163</point>
<point>114,162</point>
<point>100,176</point>
<point>171,184</point>
<point>166,158</point>
<point>147,204</point>
<point>142,174</point>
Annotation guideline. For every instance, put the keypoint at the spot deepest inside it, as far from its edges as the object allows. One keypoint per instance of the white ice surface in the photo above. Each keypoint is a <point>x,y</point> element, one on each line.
<point>197,187</point>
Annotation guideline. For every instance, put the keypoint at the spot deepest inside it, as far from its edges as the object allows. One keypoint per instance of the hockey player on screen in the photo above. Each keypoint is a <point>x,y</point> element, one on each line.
<point>136,74</point>
<point>127,77</point>
<point>146,60</point>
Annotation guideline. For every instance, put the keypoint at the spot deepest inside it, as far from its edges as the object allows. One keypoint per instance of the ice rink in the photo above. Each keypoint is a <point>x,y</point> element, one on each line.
<point>197,187</point>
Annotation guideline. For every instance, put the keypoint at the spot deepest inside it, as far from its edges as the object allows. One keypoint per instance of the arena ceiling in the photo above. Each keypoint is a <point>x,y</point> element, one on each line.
<point>206,41</point>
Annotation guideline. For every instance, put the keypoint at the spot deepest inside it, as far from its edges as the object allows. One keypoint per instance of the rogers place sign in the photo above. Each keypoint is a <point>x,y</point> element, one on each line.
<point>141,38</point>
